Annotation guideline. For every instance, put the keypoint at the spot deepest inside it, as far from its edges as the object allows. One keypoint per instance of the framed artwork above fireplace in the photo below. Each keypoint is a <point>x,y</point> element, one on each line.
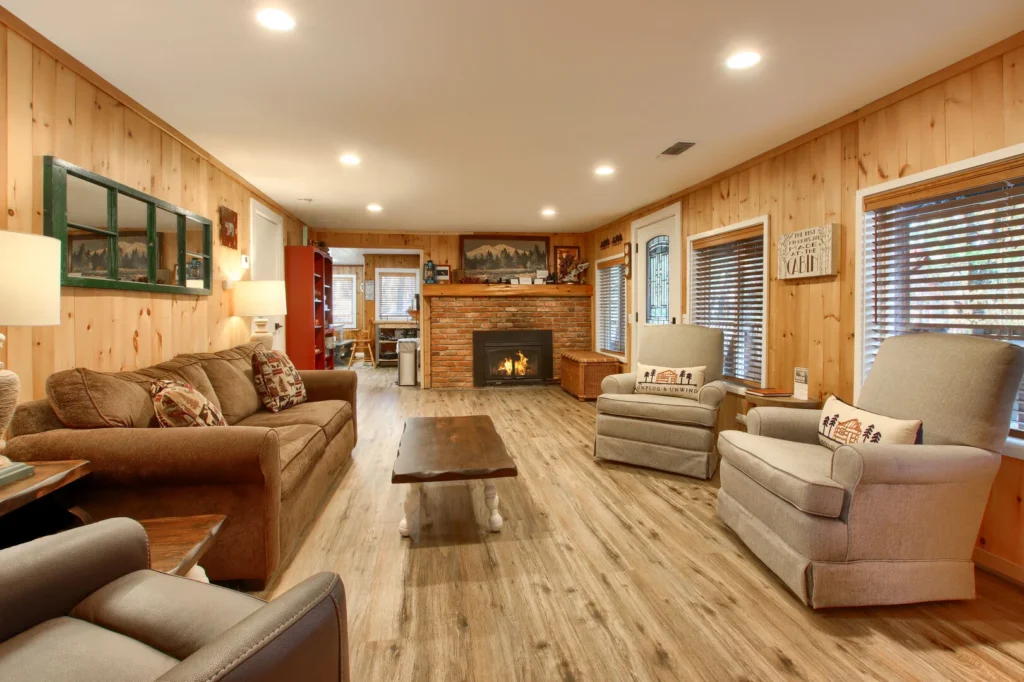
<point>499,257</point>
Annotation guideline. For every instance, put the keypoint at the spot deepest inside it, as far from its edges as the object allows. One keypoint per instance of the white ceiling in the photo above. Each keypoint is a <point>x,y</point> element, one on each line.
<point>473,114</point>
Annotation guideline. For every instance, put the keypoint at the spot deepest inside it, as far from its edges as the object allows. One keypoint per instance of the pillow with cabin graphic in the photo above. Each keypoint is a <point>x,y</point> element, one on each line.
<point>843,424</point>
<point>679,382</point>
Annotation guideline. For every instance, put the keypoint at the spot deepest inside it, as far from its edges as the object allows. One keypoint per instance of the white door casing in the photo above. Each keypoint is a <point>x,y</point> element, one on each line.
<point>666,226</point>
<point>267,257</point>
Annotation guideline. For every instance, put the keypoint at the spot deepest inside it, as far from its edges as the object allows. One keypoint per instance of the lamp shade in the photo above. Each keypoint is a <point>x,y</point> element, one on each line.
<point>29,280</point>
<point>260,298</point>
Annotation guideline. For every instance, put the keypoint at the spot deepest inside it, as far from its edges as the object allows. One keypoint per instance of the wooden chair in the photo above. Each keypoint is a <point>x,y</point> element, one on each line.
<point>363,342</point>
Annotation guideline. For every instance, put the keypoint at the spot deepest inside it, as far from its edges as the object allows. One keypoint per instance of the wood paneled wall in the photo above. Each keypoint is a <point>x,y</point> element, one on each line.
<point>52,105</point>
<point>973,107</point>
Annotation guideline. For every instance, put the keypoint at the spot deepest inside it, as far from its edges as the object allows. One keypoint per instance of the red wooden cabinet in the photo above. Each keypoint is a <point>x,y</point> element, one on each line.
<point>309,276</point>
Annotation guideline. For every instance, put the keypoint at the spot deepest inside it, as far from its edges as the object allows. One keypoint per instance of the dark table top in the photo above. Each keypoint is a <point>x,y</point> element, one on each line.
<point>451,449</point>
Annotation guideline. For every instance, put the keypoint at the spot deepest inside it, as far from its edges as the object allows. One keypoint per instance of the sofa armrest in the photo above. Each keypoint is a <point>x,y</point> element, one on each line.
<point>301,635</point>
<point>328,384</point>
<point>46,578</point>
<point>712,394</point>
<point>785,423</point>
<point>618,383</point>
<point>139,457</point>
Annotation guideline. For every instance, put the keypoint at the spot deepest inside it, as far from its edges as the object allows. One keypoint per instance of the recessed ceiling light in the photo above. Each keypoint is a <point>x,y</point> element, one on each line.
<point>374,208</point>
<point>743,60</point>
<point>275,19</point>
<point>604,170</point>
<point>548,212</point>
<point>350,159</point>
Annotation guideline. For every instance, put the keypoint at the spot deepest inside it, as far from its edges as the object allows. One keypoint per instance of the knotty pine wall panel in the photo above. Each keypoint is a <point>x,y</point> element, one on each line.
<point>48,108</point>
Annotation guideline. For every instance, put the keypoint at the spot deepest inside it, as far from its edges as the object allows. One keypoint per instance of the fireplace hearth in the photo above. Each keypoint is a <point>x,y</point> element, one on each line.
<point>507,357</point>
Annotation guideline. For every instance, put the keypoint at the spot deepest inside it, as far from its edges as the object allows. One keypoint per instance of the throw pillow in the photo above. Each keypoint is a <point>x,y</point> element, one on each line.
<point>843,424</point>
<point>177,404</point>
<point>680,382</point>
<point>277,380</point>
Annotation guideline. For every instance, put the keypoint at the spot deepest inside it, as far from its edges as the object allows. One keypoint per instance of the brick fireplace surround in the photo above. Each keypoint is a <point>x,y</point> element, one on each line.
<point>453,320</point>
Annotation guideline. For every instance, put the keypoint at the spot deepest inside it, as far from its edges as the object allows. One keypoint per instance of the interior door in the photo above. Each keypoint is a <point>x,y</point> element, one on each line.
<point>268,257</point>
<point>657,282</point>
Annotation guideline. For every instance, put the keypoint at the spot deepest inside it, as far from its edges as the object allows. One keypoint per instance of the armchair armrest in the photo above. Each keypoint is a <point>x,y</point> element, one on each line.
<point>785,423</point>
<point>301,635</point>
<point>333,385</point>
<point>139,457</point>
<point>618,383</point>
<point>712,394</point>
<point>46,578</point>
<point>876,463</point>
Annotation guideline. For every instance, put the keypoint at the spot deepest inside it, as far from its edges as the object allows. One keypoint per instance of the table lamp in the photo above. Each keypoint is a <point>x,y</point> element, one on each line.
<point>29,297</point>
<point>258,299</point>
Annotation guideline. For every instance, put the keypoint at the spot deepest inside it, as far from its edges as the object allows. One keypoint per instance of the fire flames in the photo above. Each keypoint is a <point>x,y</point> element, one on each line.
<point>518,366</point>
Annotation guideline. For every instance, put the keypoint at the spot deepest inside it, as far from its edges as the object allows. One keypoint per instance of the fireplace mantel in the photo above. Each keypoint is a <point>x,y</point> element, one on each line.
<point>507,290</point>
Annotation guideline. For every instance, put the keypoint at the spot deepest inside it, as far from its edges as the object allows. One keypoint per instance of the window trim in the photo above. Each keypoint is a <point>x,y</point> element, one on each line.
<point>337,277</point>
<point>957,167</point>
<point>597,311</point>
<point>765,222</point>
<point>415,272</point>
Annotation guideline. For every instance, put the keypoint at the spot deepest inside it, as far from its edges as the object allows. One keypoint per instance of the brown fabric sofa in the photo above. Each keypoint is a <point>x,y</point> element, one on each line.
<point>268,473</point>
<point>83,605</point>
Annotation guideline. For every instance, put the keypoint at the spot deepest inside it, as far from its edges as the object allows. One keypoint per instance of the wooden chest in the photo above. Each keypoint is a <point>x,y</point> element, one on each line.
<point>583,370</point>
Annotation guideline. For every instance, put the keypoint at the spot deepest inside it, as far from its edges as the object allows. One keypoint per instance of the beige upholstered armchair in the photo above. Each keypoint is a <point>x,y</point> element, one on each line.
<point>664,432</point>
<point>873,523</point>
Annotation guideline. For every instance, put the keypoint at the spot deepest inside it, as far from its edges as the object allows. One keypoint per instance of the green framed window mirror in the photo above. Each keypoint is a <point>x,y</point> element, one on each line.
<point>116,237</point>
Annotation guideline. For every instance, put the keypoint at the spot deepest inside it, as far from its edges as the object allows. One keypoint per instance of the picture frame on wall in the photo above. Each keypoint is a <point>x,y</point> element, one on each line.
<point>566,258</point>
<point>228,227</point>
<point>499,257</point>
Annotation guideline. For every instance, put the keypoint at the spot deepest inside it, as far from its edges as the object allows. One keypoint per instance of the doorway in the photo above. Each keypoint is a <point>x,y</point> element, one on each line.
<point>268,257</point>
<point>658,280</point>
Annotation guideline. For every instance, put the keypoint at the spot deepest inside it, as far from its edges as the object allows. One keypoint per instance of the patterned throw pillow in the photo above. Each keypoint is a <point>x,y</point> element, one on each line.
<point>277,380</point>
<point>177,404</point>
<point>680,382</point>
<point>843,424</point>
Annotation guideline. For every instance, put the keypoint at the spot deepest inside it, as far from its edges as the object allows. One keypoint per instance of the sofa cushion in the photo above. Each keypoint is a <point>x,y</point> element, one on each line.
<point>330,415</point>
<point>230,373</point>
<point>177,404</point>
<point>660,408</point>
<point>302,446</point>
<point>84,399</point>
<point>799,473</point>
<point>73,650</point>
<point>277,381</point>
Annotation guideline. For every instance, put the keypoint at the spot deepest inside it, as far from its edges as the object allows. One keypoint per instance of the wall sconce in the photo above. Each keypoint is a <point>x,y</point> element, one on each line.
<point>233,276</point>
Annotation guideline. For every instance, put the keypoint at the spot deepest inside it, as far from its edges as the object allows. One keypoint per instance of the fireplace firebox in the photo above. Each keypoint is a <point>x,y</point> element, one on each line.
<point>508,357</point>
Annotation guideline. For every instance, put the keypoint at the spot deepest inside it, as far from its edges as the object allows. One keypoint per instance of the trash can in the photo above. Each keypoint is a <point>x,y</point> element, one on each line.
<point>407,361</point>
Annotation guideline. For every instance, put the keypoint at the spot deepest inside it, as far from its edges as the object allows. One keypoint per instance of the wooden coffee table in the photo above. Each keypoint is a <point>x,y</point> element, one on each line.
<point>435,449</point>
<point>177,543</point>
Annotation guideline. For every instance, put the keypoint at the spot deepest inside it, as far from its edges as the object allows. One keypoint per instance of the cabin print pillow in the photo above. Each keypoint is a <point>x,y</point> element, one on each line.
<point>177,404</point>
<point>680,382</point>
<point>277,381</point>
<point>843,424</point>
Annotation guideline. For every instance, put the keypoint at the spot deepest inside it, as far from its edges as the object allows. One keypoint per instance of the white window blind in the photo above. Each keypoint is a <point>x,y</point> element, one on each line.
<point>728,294</point>
<point>950,263</point>
<point>343,300</point>
<point>395,291</point>
<point>611,308</point>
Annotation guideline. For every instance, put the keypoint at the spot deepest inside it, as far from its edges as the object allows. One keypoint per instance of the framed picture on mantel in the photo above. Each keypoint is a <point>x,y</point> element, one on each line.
<point>502,257</point>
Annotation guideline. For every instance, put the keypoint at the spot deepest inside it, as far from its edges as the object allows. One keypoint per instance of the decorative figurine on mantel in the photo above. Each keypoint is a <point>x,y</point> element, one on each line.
<point>576,273</point>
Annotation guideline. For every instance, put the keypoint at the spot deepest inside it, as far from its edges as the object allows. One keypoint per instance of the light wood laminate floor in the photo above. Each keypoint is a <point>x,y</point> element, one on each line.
<point>602,572</point>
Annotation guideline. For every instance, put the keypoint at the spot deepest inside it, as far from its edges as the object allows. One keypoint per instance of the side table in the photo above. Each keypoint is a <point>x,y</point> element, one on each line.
<point>36,506</point>
<point>177,543</point>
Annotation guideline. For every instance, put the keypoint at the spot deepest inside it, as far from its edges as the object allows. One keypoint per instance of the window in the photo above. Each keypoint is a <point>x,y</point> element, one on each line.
<point>611,307</point>
<point>728,291</point>
<point>115,237</point>
<point>950,262</point>
<point>395,290</point>
<point>343,300</point>
<point>658,277</point>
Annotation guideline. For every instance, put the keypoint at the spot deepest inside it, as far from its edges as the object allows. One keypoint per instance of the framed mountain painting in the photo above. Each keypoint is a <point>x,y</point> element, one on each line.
<point>498,257</point>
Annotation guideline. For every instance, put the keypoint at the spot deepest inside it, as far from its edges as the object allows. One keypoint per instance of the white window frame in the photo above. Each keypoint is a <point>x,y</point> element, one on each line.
<point>674,211</point>
<point>742,225</point>
<point>415,272</point>
<point>355,300</point>
<point>597,312</point>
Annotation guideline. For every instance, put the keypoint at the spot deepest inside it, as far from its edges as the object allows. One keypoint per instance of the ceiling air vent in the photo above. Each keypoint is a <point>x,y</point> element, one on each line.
<point>677,149</point>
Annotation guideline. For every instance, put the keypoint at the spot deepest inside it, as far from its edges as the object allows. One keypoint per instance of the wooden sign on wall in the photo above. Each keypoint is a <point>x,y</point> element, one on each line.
<point>809,253</point>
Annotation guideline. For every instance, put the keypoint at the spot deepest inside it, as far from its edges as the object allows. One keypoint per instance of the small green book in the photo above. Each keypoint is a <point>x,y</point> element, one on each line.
<point>15,471</point>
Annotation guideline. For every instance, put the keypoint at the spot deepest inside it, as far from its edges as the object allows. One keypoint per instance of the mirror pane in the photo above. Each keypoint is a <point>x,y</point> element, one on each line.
<point>132,241</point>
<point>86,207</point>
<point>195,263</point>
<point>166,247</point>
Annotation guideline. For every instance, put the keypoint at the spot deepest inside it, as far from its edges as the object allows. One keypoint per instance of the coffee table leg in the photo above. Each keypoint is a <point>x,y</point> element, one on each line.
<point>495,522</point>
<point>412,504</point>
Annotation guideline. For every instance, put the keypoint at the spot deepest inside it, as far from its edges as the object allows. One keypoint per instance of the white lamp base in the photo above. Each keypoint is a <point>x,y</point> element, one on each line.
<point>261,334</point>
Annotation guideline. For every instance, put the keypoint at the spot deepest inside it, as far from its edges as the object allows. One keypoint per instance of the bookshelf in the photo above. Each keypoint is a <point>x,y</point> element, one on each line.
<point>309,276</point>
